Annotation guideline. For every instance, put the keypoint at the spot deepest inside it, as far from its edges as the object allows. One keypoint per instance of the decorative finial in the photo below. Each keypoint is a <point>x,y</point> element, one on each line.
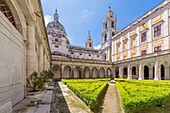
<point>109,5</point>
<point>56,10</point>
<point>89,32</point>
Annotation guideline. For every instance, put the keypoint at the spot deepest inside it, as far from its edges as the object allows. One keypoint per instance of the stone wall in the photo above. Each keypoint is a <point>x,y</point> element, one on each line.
<point>12,73</point>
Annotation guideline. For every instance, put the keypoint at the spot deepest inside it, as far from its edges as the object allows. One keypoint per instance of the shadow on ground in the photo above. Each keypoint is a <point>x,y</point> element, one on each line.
<point>59,104</point>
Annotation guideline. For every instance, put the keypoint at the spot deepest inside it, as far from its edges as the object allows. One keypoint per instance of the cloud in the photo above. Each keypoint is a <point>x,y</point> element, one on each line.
<point>47,19</point>
<point>85,13</point>
<point>97,47</point>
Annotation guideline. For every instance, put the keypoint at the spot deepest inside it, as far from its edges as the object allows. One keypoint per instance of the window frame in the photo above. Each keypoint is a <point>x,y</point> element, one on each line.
<point>157,30</point>
<point>144,36</point>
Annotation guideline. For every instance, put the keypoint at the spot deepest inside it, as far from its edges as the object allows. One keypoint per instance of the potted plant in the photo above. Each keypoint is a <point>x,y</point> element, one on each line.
<point>35,83</point>
<point>47,76</point>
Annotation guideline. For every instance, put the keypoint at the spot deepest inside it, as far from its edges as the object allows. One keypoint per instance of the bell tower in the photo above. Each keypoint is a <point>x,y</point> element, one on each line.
<point>109,30</point>
<point>89,42</point>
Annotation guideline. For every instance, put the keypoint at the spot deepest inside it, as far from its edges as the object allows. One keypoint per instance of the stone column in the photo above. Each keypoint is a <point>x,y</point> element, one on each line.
<point>41,58</point>
<point>120,72</point>
<point>157,71</point>
<point>141,72</point>
<point>30,63</point>
<point>129,72</point>
<point>151,72</point>
<point>62,72</point>
<point>72,72</point>
<point>113,73</point>
<point>105,73</point>
<point>167,76</point>
<point>91,73</point>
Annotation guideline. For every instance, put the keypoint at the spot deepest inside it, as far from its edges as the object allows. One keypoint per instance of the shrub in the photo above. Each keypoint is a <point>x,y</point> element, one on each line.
<point>137,95</point>
<point>35,81</point>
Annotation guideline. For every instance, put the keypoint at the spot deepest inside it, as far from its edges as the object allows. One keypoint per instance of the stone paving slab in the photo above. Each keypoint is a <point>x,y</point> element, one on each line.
<point>75,104</point>
<point>43,109</point>
<point>47,97</point>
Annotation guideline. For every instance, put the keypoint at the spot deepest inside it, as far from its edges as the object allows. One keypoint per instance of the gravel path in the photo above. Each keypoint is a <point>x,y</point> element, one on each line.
<point>112,100</point>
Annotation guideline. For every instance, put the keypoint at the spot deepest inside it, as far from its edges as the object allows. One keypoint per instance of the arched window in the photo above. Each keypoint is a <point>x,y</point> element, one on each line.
<point>105,37</point>
<point>6,11</point>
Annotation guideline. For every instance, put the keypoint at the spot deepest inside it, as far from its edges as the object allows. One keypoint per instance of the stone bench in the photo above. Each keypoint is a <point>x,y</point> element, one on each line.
<point>6,108</point>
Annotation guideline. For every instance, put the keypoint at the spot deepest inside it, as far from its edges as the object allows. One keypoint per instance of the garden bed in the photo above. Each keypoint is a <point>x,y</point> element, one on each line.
<point>91,91</point>
<point>138,95</point>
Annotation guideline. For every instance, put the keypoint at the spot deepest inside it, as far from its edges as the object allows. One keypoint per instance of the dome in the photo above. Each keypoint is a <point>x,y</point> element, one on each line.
<point>55,27</point>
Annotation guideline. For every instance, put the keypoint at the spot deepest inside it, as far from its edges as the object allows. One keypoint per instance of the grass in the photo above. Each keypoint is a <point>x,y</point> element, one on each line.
<point>144,96</point>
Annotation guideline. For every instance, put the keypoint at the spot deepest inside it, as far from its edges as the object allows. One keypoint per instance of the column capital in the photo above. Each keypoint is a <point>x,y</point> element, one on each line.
<point>31,23</point>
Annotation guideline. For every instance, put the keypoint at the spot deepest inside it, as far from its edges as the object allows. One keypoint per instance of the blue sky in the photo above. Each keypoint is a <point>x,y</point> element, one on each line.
<point>79,16</point>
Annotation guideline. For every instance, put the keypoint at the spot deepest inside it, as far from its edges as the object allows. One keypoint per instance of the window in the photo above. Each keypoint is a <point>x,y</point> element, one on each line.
<point>112,24</point>
<point>143,37</point>
<point>72,53</point>
<point>89,44</point>
<point>56,46</point>
<point>118,48</point>
<point>97,55</point>
<point>7,11</point>
<point>144,52</point>
<point>105,37</point>
<point>125,45</point>
<point>157,48</point>
<point>106,25</point>
<point>80,53</point>
<point>113,33</point>
<point>157,31</point>
<point>89,55</point>
<point>133,42</point>
<point>56,40</point>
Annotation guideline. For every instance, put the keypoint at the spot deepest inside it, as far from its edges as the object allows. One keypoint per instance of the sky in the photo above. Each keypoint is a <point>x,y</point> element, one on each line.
<point>81,16</point>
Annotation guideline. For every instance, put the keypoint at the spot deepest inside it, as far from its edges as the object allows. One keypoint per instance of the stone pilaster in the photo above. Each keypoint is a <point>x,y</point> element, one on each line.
<point>120,72</point>
<point>129,72</point>
<point>151,73</point>
<point>30,65</point>
<point>41,57</point>
<point>157,71</point>
<point>167,76</point>
<point>166,30</point>
<point>141,72</point>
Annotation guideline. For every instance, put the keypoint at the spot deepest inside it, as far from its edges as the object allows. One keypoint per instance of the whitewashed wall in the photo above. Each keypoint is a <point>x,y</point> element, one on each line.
<point>11,63</point>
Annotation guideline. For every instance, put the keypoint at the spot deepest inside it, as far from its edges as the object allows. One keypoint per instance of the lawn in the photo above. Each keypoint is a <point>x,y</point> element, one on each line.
<point>91,91</point>
<point>139,95</point>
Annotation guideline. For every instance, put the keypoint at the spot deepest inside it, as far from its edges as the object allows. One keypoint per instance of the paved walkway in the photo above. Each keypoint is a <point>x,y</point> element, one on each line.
<point>70,102</point>
<point>112,100</point>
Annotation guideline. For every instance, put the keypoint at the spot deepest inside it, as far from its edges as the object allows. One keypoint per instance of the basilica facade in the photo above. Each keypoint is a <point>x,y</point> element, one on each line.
<point>139,51</point>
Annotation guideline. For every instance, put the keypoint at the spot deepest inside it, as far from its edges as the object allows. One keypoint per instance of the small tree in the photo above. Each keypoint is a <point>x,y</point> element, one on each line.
<point>46,75</point>
<point>50,74</point>
<point>35,81</point>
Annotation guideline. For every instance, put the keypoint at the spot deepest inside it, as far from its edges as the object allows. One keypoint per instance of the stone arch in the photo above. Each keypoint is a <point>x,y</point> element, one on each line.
<point>109,73</point>
<point>146,72</point>
<point>57,72</point>
<point>67,72</point>
<point>125,72</point>
<point>164,70</point>
<point>78,72</point>
<point>17,16</point>
<point>94,72</point>
<point>87,72</point>
<point>102,72</point>
<point>117,72</point>
<point>134,72</point>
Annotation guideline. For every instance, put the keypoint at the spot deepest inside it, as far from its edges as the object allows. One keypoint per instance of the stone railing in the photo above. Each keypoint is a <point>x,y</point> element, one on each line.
<point>80,60</point>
